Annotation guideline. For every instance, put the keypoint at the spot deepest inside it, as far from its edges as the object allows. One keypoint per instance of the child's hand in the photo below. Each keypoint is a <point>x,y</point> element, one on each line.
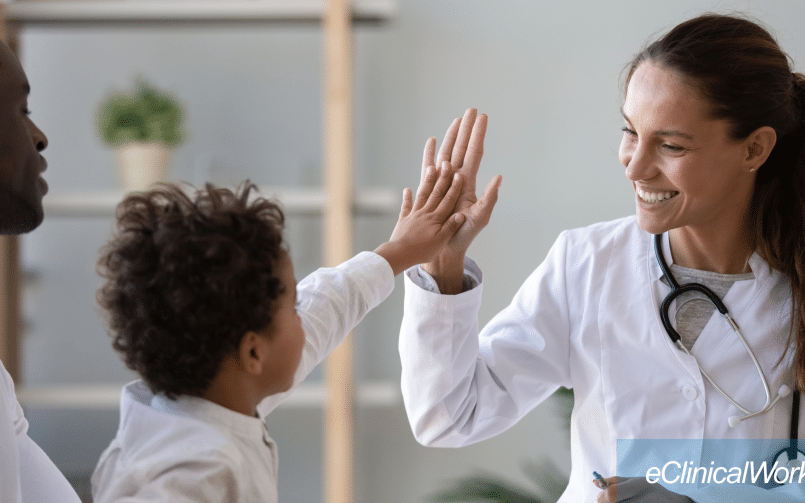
<point>427,224</point>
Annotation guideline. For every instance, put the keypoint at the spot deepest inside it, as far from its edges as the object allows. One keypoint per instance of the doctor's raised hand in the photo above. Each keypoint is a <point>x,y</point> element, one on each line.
<point>462,148</point>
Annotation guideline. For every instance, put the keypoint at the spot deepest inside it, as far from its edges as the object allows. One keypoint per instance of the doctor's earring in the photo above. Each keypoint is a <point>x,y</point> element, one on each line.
<point>752,152</point>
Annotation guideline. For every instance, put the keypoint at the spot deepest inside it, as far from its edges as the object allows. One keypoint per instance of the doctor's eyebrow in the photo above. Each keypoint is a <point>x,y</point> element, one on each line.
<point>662,132</point>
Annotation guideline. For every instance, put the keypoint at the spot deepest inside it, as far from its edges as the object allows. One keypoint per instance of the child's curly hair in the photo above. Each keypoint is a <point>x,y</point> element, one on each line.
<point>187,278</point>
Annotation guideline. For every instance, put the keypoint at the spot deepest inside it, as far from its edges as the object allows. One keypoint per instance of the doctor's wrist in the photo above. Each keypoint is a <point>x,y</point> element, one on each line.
<point>448,274</point>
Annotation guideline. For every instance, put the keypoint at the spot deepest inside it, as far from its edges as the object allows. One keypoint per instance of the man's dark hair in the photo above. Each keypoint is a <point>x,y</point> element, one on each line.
<point>187,278</point>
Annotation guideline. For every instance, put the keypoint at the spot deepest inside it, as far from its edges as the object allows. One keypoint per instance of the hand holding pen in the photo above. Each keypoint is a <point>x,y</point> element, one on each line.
<point>615,489</point>
<point>601,482</point>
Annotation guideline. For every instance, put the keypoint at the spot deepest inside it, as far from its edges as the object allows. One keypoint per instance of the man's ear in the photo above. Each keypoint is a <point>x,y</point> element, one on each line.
<point>252,353</point>
<point>758,146</point>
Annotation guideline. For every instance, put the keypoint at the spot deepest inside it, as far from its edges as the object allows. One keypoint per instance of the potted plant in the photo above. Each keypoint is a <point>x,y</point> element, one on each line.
<point>143,126</point>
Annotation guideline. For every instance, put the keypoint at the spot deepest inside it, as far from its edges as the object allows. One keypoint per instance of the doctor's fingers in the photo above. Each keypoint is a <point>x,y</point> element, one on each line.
<point>608,494</point>
<point>481,211</point>
<point>446,150</point>
<point>474,152</point>
<point>465,132</point>
<point>427,158</point>
<point>478,215</point>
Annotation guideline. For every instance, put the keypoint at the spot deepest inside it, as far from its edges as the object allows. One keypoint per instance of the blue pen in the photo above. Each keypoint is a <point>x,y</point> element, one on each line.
<point>600,480</point>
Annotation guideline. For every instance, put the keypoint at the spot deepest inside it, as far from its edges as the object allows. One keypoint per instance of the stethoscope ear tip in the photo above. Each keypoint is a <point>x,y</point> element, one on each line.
<point>784,391</point>
<point>734,421</point>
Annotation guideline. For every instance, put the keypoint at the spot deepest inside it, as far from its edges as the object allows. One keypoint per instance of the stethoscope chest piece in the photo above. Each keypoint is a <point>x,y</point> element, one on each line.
<point>796,462</point>
<point>784,458</point>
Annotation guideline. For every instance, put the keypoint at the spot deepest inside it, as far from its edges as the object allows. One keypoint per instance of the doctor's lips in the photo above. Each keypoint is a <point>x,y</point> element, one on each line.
<point>655,197</point>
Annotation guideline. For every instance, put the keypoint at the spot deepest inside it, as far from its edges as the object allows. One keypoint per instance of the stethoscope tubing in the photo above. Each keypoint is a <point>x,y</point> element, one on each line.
<point>676,291</point>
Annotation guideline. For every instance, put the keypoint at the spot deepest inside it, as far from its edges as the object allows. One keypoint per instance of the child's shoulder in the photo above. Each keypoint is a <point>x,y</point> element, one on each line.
<point>163,431</point>
<point>188,444</point>
<point>157,449</point>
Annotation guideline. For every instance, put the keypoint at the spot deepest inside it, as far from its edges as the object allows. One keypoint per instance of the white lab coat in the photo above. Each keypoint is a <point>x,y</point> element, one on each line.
<point>27,475</point>
<point>587,318</point>
<point>193,450</point>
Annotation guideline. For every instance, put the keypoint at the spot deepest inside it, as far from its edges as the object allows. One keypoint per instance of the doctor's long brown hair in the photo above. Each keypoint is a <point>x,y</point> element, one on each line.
<point>738,66</point>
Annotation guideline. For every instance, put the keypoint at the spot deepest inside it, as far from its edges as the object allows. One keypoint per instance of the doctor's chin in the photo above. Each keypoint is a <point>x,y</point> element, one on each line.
<point>770,470</point>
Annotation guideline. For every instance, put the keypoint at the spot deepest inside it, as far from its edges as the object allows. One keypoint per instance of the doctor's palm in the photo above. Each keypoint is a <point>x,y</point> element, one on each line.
<point>463,148</point>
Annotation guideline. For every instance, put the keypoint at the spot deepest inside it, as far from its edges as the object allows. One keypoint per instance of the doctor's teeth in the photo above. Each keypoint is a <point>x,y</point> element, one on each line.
<point>655,197</point>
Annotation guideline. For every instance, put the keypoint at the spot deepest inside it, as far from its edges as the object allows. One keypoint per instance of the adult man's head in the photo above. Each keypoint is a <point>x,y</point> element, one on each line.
<point>21,164</point>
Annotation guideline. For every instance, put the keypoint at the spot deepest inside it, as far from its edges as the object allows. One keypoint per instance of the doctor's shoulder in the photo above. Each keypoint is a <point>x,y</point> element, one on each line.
<point>600,240</point>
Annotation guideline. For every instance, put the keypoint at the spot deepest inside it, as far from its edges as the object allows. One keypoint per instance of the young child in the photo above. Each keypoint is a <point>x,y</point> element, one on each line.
<point>204,305</point>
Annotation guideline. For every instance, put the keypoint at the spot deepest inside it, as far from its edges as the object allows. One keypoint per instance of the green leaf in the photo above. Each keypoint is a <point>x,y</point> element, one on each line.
<point>145,115</point>
<point>481,488</point>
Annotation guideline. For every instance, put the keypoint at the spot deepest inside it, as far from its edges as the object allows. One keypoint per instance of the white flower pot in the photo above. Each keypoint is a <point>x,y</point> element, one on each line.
<point>143,164</point>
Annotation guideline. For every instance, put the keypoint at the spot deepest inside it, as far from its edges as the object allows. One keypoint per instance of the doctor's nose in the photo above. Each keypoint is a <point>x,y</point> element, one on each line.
<point>639,166</point>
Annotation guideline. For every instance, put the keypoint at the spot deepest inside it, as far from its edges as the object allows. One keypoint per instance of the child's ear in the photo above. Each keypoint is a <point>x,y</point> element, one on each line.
<point>252,353</point>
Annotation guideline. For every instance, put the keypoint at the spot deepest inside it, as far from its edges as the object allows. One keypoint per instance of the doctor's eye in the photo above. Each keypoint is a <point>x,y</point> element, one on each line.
<point>628,131</point>
<point>673,148</point>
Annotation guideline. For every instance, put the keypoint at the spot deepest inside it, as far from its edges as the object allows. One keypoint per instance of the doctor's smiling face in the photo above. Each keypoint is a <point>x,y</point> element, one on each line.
<point>685,168</point>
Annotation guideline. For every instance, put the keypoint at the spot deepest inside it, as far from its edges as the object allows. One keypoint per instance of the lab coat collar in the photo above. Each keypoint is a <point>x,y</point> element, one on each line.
<point>740,297</point>
<point>195,408</point>
<point>759,267</point>
<point>738,300</point>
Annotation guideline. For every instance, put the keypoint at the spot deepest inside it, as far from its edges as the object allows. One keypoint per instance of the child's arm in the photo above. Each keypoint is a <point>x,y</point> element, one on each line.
<point>332,301</point>
<point>425,225</point>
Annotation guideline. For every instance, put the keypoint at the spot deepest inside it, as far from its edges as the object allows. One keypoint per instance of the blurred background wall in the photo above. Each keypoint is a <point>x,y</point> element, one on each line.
<point>546,73</point>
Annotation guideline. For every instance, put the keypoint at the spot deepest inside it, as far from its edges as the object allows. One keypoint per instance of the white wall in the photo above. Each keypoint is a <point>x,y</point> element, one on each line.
<point>546,73</point>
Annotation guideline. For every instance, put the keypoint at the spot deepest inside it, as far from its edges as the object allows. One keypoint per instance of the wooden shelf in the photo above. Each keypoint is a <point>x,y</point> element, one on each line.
<point>294,200</point>
<point>185,11</point>
<point>107,396</point>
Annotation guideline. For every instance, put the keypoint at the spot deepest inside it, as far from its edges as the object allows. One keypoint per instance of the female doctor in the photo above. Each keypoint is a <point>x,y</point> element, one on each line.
<point>713,136</point>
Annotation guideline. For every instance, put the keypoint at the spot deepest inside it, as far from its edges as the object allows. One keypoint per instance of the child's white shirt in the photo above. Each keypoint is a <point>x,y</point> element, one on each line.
<point>185,450</point>
<point>192,450</point>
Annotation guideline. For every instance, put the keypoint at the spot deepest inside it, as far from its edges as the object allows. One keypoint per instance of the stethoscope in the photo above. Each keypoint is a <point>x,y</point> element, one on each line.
<point>676,291</point>
<point>793,454</point>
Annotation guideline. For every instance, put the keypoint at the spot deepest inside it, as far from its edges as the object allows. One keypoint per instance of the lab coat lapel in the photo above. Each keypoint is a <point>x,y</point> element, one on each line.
<point>659,291</point>
<point>761,308</point>
<point>648,383</point>
<point>764,324</point>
